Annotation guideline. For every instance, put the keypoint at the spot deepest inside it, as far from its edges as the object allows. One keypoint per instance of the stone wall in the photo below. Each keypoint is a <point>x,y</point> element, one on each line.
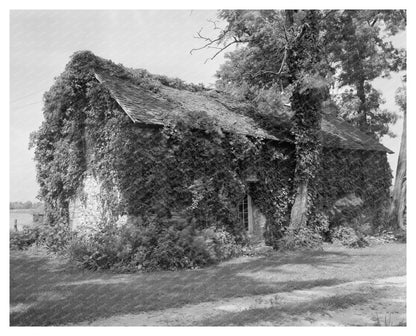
<point>89,208</point>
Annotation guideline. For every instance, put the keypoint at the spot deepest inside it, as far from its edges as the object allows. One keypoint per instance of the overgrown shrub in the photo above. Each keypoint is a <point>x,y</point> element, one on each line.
<point>347,236</point>
<point>21,240</point>
<point>298,239</point>
<point>163,245</point>
<point>319,221</point>
<point>219,244</point>
<point>56,235</point>
<point>401,236</point>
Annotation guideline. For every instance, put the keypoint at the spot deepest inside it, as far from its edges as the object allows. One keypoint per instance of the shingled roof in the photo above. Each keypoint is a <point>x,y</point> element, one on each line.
<point>168,104</point>
<point>338,133</point>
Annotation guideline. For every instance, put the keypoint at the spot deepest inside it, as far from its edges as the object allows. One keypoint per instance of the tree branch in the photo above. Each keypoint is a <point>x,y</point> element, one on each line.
<point>327,14</point>
<point>286,38</point>
<point>223,48</point>
<point>374,22</point>
<point>215,24</point>
<point>283,61</point>
<point>209,41</point>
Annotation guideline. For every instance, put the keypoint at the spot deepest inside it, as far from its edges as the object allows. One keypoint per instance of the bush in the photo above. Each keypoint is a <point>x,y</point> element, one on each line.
<point>401,236</point>
<point>219,244</point>
<point>387,236</point>
<point>309,237</point>
<point>163,245</point>
<point>347,236</point>
<point>170,246</point>
<point>303,238</point>
<point>56,235</point>
<point>98,250</point>
<point>319,222</point>
<point>21,240</point>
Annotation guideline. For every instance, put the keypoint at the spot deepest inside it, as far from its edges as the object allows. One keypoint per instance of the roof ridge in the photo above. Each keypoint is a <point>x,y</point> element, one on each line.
<point>148,103</point>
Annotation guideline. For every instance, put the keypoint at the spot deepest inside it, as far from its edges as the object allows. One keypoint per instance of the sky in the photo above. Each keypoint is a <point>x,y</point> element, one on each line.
<point>41,43</point>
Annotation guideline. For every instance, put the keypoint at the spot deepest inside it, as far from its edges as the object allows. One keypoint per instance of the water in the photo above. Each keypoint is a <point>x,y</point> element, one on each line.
<point>24,218</point>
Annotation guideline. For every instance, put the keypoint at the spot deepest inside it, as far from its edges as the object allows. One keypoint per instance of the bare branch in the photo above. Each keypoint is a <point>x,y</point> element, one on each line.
<point>222,49</point>
<point>374,22</point>
<point>213,47</point>
<point>202,37</point>
<point>283,62</point>
<point>209,41</point>
<point>214,23</point>
<point>262,72</point>
<point>286,38</point>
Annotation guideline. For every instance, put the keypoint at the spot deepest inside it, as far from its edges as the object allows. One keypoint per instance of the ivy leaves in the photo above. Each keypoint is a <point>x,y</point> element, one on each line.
<point>146,172</point>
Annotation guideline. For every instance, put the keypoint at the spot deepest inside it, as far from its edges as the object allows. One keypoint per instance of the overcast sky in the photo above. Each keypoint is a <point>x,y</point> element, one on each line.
<point>41,43</point>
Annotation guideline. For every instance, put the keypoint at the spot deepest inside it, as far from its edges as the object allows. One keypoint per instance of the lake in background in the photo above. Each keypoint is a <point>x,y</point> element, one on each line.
<point>24,218</point>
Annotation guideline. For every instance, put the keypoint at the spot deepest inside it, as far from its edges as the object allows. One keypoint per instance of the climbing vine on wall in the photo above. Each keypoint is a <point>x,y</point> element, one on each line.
<point>160,172</point>
<point>365,174</point>
<point>155,172</point>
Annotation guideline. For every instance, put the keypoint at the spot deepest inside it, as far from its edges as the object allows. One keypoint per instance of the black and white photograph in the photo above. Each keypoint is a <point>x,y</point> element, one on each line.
<point>207,167</point>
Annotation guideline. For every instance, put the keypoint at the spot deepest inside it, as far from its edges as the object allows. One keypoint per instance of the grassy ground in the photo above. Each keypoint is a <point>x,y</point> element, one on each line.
<point>46,291</point>
<point>349,304</point>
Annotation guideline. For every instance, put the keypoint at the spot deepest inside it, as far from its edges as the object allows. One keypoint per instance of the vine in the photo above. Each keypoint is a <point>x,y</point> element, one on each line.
<point>156,173</point>
<point>366,174</point>
<point>200,174</point>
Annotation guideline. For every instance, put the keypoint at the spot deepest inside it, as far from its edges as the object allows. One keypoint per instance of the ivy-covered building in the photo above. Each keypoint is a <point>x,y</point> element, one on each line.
<point>120,146</point>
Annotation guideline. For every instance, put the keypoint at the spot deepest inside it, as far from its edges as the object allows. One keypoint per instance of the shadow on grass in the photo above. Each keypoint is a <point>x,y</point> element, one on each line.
<point>276,315</point>
<point>42,293</point>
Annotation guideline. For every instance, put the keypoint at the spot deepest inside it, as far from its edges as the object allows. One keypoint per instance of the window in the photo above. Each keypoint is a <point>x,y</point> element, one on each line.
<point>245,213</point>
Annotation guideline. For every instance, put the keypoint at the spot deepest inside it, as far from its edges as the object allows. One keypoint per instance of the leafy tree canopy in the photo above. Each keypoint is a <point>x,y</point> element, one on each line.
<point>353,49</point>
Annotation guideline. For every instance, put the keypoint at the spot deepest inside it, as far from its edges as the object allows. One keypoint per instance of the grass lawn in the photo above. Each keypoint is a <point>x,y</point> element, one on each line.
<point>47,291</point>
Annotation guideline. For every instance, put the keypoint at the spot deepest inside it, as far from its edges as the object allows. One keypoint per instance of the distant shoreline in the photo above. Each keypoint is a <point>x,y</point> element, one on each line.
<point>24,218</point>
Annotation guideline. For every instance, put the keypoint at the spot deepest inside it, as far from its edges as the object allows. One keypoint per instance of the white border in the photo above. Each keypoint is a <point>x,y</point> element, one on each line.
<point>213,4</point>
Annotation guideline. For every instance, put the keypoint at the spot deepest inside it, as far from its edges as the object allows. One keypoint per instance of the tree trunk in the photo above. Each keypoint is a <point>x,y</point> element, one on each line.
<point>298,215</point>
<point>362,109</point>
<point>397,211</point>
<point>289,17</point>
<point>306,102</point>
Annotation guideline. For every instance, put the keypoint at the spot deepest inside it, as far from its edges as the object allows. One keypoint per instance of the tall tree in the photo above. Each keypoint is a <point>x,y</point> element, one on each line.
<point>283,52</point>
<point>357,47</point>
<point>353,43</point>
<point>290,57</point>
<point>398,205</point>
<point>306,73</point>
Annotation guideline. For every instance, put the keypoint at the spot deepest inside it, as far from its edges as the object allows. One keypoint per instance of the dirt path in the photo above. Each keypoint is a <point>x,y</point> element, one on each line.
<point>381,301</point>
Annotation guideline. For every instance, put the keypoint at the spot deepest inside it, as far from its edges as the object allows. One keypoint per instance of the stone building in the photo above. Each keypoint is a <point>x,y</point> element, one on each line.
<point>152,111</point>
